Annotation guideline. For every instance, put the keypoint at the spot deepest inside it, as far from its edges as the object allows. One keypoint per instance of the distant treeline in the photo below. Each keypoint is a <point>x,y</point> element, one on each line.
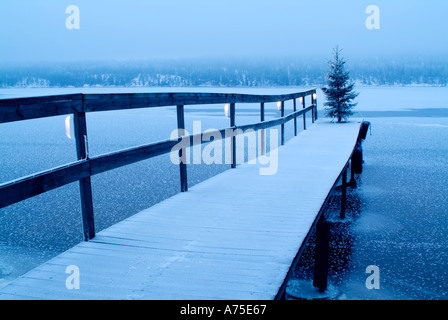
<point>195,72</point>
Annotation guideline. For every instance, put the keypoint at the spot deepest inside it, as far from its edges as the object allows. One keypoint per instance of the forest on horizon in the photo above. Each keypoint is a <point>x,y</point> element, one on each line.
<point>220,72</point>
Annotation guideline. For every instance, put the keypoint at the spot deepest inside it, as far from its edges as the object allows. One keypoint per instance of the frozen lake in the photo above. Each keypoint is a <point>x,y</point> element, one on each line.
<point>398,219</point>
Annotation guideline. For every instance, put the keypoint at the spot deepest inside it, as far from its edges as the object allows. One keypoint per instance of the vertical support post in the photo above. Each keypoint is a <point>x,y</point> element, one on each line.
<point>304,115</point>
<point>295,118</point>
<point>322,253</point>
<point>262,137</point>
<point>282,127</point>
<point>352,175</point>
<point>315,103</point>
<point>182,152</point>
<point>85,186</point>
<point>344,193</point>
<point>233,139</point>
<point>262,112</point>
<point>312,110</point>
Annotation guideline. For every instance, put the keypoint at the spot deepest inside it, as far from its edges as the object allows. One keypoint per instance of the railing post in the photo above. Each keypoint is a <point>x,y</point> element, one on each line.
<point>352,174</point>
<point>262,138</point>
<point>85,186</point>
<point>282,127</point>
<point>233,138</point>
<point>344,193</point>
<point>182,152</point>
<point>315,103</point>
<point>322,253</point>
<point>304,115</point>
<point>295,118</point>
<point>312,109</point>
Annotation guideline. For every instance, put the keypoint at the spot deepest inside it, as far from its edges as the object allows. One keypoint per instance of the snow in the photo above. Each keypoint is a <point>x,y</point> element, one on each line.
<point>400,98</point>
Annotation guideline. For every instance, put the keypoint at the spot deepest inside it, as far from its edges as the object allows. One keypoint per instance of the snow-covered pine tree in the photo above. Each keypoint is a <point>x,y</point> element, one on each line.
<point>339,90</point>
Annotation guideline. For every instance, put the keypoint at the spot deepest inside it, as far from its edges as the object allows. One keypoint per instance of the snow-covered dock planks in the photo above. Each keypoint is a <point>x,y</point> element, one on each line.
<point>234,236</point>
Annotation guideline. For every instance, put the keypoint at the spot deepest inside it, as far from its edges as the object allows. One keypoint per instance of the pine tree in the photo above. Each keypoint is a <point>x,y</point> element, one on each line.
<point>339,90</point>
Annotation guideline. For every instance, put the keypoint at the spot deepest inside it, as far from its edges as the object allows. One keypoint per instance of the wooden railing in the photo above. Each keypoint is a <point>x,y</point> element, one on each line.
<point>79,104</point>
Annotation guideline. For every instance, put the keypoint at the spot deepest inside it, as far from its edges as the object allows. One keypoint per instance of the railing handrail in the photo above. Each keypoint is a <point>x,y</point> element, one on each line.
<point>79,104</point>
<point>17,109</point>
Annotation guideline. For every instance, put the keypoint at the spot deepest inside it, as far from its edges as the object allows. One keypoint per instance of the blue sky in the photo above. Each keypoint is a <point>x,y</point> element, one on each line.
<point>33,30</point>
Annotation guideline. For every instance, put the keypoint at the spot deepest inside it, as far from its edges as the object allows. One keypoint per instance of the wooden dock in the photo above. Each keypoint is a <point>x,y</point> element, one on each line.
<point>237,235</point>
<point>234,236</point>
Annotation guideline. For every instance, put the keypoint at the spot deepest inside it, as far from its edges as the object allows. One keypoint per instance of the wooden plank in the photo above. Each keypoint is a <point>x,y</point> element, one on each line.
<point>30,186</point>
<point>39,107</point>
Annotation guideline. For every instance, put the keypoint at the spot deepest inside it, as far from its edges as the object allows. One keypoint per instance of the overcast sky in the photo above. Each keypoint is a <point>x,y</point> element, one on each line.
<point>32,30</point>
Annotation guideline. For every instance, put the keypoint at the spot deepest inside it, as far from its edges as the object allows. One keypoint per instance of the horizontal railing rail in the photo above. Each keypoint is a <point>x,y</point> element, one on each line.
<point>35,184</point>
<point>47,106</point>
<point>17,190</point>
